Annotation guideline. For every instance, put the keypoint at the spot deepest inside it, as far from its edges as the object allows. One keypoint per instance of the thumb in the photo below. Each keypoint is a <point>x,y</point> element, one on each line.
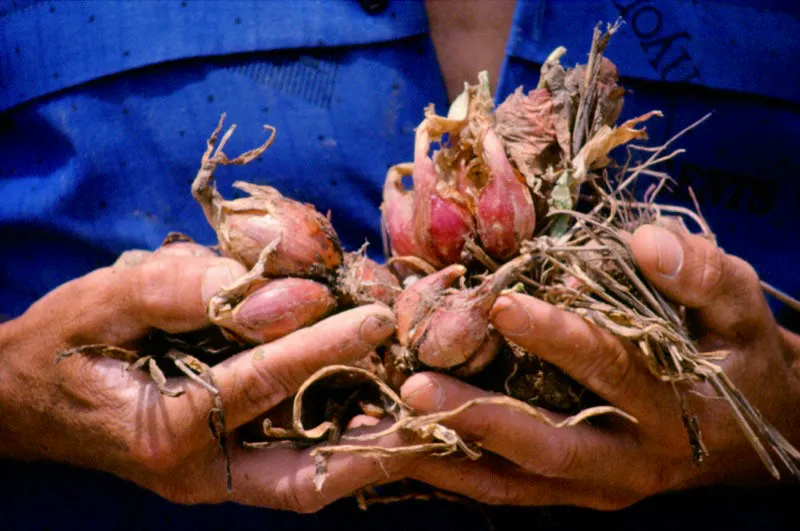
<point>694,272</point>
<point>117,305</point>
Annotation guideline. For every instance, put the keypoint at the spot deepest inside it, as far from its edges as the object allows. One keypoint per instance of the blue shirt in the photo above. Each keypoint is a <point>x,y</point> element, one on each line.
<point>105,107</point>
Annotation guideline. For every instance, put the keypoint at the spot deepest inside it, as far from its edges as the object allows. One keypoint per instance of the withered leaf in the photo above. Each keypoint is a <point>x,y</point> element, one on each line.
<point>525,123</point>
<point>594,154</point>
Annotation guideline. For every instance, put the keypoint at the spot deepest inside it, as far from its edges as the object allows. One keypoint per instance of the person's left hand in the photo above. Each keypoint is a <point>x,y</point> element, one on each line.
<point>616,463</point>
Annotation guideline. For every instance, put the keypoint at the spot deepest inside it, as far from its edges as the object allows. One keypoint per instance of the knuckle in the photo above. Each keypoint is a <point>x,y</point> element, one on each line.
<point>706,277</point>
<point>290,496</point>
<point>495,491</point>
<point>478,426</point>
<point>265,386</point>
<point>308,507</point>
<point>611,370</point>
<point>744,270</point>
<point>154,282</point>
<point>131,258</point>
<point>658,480</point>
<point>613,501</point>
<point>748,306</point>
<point>661,478</point>
<point>483,422</point>
<point>557,461</point>
<point>176,494</point>
<point>154,457</point>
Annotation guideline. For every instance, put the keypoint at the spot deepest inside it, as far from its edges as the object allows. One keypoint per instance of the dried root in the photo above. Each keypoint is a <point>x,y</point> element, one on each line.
<point>431,436</point>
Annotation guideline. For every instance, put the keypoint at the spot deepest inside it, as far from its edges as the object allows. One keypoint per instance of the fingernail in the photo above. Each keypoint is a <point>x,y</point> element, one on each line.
<point>509,317</point>
<point>670,252</point>
<point>362,421</point>
<point>215,278</point>
<point>422,393</point>
<point>375,329</point>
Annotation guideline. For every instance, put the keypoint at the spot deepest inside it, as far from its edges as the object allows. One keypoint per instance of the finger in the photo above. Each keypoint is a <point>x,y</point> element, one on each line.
<point>496,482</point>
<point>287,478</point>
<point>171,293</point>
<point>577,452</point>
<point>255,381</point>
<point>119,305</point>
<point>692,271</point>
<point>182,248</point>
<point>593,357</point>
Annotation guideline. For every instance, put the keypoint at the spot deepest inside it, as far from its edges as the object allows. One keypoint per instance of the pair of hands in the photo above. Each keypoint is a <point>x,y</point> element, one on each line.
<point>92,412</point>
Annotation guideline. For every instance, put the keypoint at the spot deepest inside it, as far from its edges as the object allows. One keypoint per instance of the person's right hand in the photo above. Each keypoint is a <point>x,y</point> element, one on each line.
<point>93,412</point>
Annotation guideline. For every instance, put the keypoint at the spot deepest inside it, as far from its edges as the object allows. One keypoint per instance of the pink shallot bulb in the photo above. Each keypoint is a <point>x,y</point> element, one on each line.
<point>277,308</point>
<point>397,212</point>
<point>505,213</point>
<point>447,328</point>
<point>442,219</point>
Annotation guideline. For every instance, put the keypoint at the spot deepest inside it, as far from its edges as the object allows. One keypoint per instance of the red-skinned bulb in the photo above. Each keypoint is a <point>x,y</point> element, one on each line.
<point>505,213</point>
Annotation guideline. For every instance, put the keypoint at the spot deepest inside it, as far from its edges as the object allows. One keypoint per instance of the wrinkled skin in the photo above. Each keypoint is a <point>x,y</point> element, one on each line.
<point>614,466</point>
<point>92,412</point>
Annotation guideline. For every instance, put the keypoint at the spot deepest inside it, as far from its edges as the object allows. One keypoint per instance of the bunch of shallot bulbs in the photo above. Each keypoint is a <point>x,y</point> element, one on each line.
<point>299,273</point>
<point>484,181</point>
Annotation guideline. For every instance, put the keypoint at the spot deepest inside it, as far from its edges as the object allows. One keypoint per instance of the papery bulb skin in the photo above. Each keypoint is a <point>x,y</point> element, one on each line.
<point>397,212</point>
<point>364,281</point>
<point>301,240</point>
<point>307,243</point>
<point>505,213</point>
<point>457,326</point>
<point>417,300</point>
<point>526,125</point>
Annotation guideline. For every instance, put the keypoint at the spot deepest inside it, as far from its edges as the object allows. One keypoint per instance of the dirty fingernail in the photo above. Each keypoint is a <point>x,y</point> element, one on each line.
<point>670,252</point>
<point>375,329</point>
<point>420,392</point>
<point>215,278</point>
<point>509,317</point>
